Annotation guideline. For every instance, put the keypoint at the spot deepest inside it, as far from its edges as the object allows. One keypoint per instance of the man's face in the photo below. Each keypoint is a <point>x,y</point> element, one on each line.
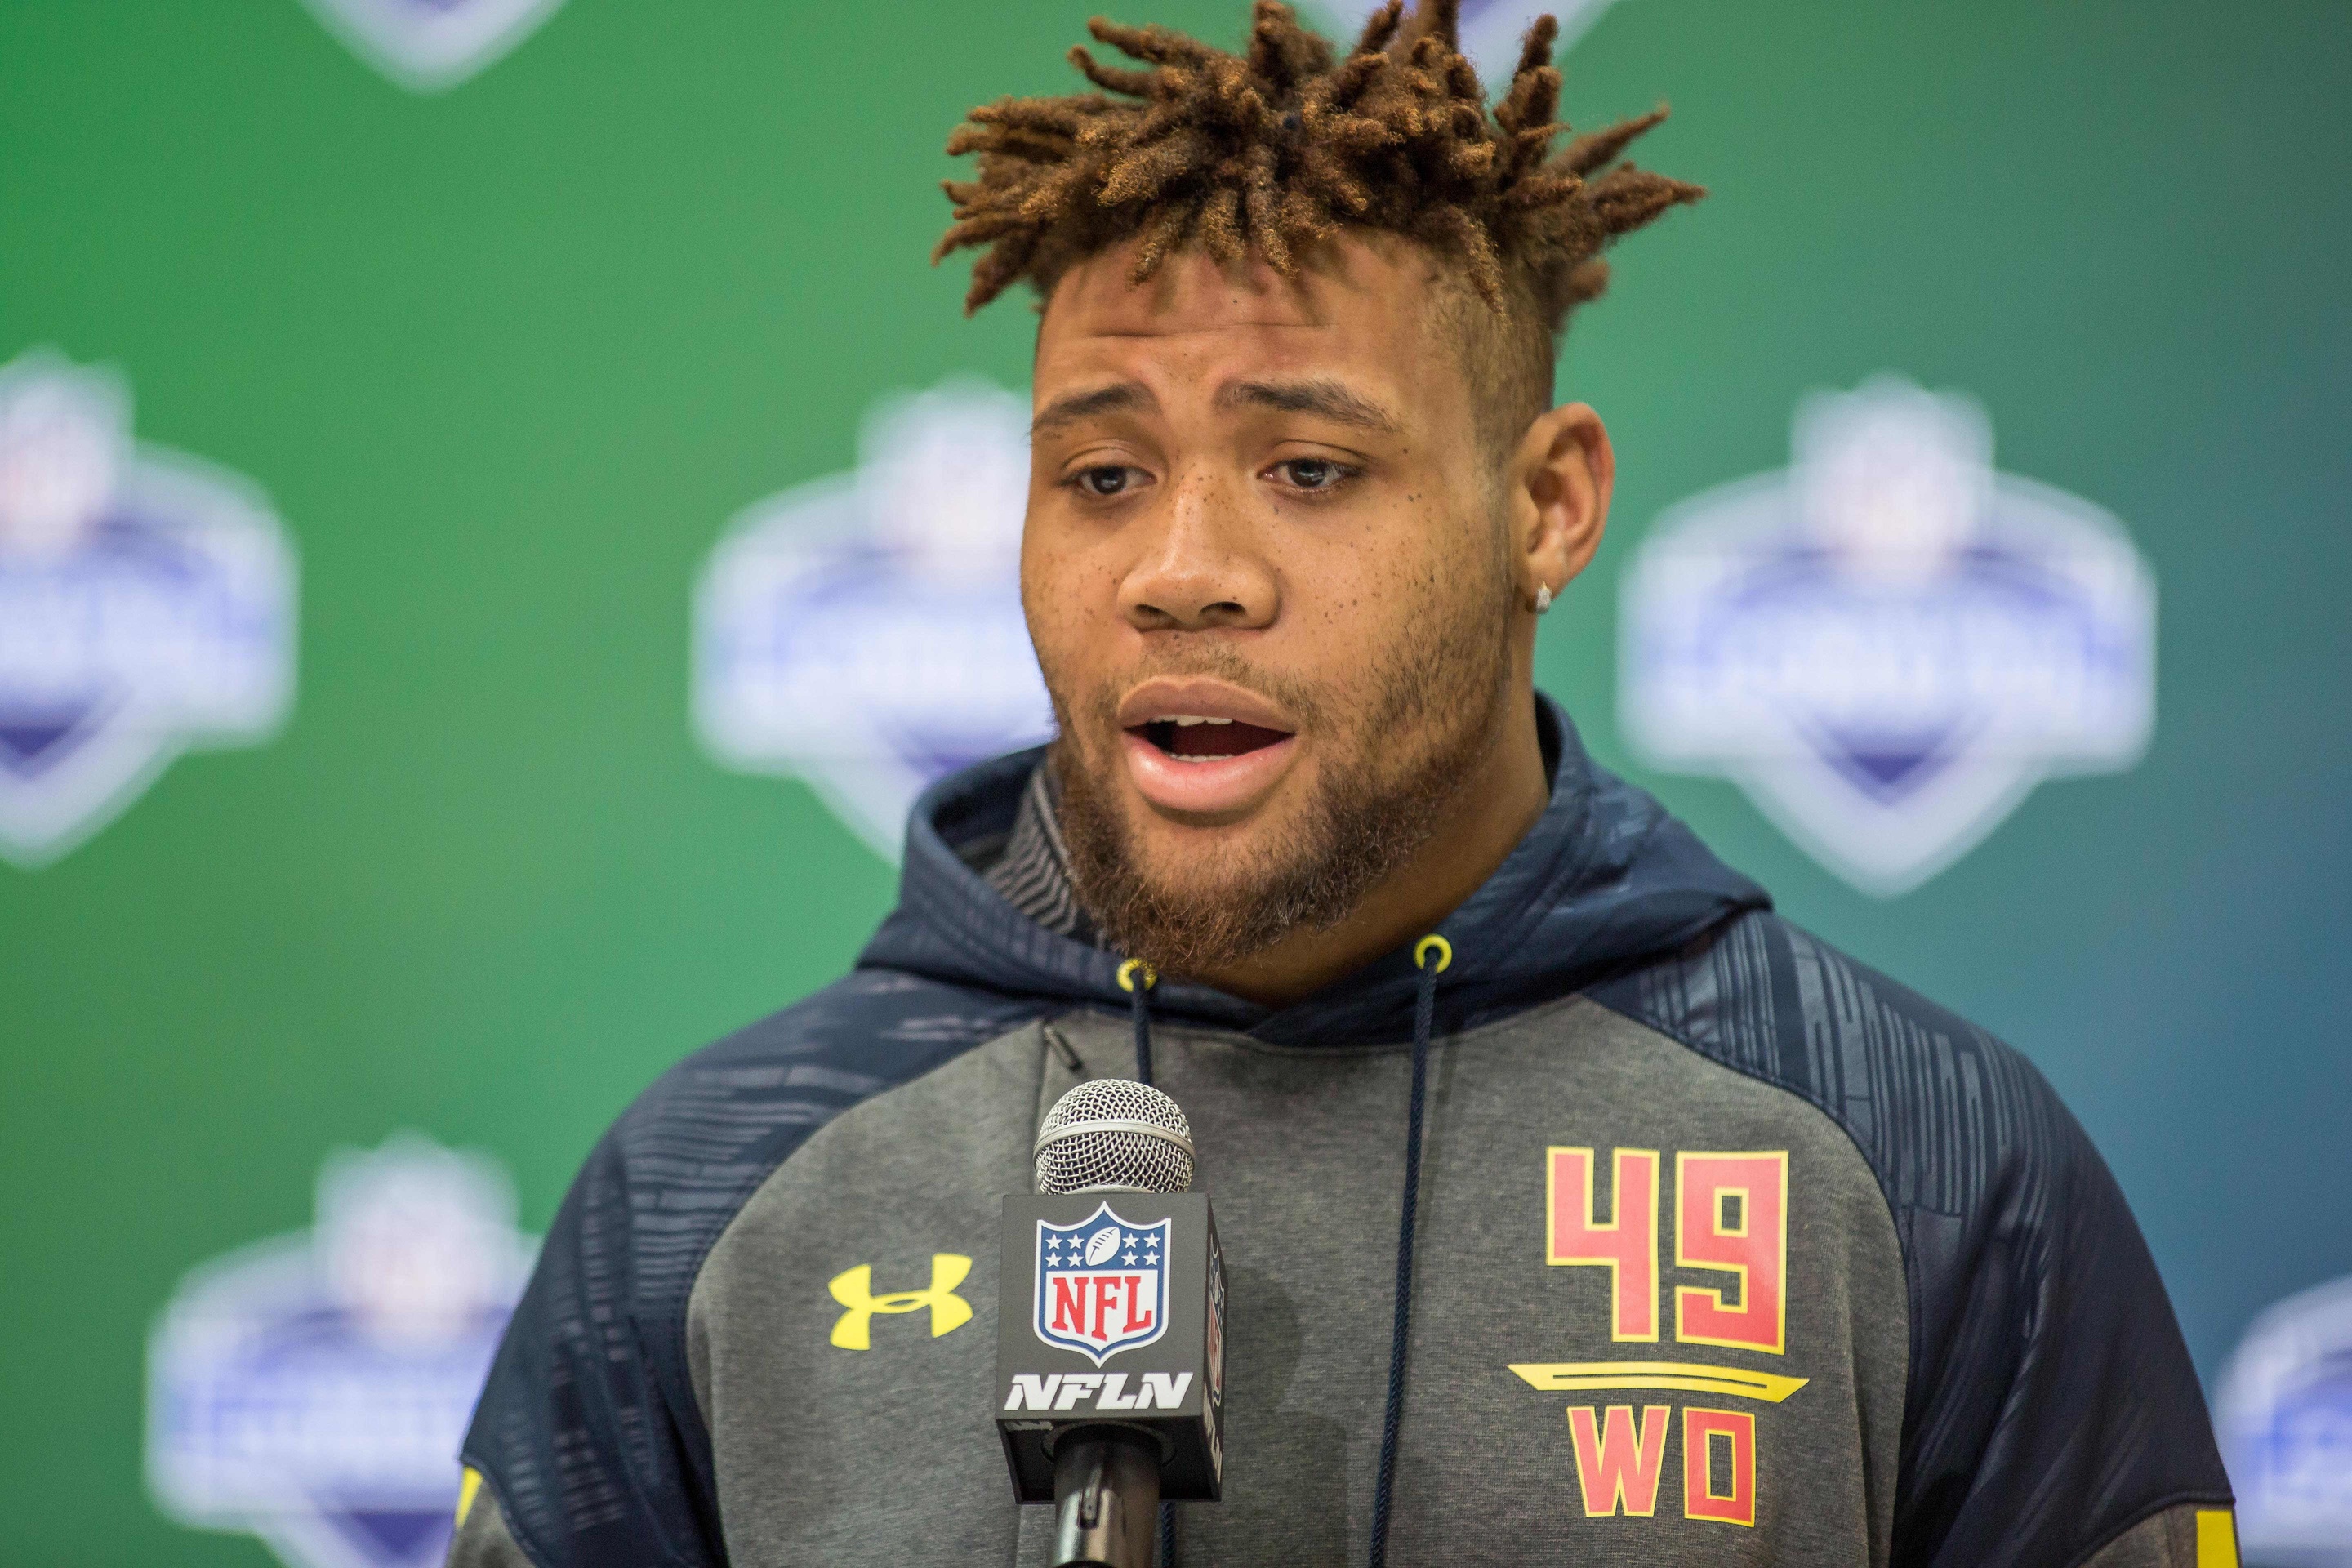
<point>1266,574</point>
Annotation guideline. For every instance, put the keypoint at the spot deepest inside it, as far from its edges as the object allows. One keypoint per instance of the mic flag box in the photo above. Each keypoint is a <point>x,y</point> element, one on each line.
<point>1112,1314</point>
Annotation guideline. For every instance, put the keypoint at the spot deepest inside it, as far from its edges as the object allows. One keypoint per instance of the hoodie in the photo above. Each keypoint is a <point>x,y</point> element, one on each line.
<point>1729,1251</point>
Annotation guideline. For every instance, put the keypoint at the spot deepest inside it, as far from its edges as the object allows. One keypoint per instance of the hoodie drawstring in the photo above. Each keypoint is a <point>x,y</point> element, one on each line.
<point>1425,1017</point>
<point>1136,978</point>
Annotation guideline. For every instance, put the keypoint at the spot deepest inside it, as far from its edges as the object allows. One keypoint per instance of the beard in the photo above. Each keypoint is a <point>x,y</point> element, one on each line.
<point>1390,764</point>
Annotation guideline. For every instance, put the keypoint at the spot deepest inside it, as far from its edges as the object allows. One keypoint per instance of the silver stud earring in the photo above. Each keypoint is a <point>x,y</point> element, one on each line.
<point>1543,597</point>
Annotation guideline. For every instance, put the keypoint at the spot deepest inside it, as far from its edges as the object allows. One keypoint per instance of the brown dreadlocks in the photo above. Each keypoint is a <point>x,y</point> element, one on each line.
<point>1280,148</point>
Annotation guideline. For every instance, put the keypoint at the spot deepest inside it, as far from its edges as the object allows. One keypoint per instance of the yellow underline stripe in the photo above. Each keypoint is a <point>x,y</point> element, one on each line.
<point>1696,1377</point>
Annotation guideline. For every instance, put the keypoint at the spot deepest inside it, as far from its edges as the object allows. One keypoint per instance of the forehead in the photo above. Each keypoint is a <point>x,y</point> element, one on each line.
<point>1358,312</point>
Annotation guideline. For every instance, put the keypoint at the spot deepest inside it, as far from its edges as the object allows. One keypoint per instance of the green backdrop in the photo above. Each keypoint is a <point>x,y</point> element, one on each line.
<point>507,358</point>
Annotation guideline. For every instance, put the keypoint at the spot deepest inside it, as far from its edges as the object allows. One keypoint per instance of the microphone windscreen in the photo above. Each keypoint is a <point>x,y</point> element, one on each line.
<point>1111,1134</point>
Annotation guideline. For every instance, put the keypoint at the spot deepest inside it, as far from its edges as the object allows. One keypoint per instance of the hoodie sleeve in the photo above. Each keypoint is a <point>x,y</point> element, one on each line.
<point>481,1539</point>
<point>2050,1409</point>
<point>2052,1404</point>
<point>2183,1537</point>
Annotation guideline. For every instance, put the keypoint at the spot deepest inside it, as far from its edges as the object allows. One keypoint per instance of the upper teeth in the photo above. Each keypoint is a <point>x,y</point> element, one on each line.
<point>1191,719</point>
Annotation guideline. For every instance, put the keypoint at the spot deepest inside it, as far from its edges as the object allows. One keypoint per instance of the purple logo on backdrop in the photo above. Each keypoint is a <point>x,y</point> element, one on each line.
<point>312,1389</point>
<point>146,608</point>
<point>863,633</point>
<point>1102,1284</point>
<point>429,46</point>
<point>1490,29</point>
<point>1888,644</point>
<point>2284,1418</point>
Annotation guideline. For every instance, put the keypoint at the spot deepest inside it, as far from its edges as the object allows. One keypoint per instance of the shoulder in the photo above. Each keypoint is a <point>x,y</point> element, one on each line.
<point>1970,1145</point>
<point>589,1396</point>
<point>1947,1116</point>
<point>752,1097</point>
<point>680,1161</point>
<point>2050,1402</point>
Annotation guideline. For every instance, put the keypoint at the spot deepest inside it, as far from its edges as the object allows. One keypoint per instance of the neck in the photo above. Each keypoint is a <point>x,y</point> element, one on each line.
<point>1498,802</point>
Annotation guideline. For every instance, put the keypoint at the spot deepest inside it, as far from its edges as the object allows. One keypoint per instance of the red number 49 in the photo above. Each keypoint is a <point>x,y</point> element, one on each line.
<point>1731,1215</point>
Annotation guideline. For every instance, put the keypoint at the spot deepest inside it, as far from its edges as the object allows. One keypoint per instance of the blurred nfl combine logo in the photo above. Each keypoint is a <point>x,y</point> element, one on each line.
<point>2285,1418</point>
<point>430,46</point>
<point>146,607</point>
<point>863,633</point>
<point>312,1389</point>
<point>1490,30</point>
<point>1888,644</point>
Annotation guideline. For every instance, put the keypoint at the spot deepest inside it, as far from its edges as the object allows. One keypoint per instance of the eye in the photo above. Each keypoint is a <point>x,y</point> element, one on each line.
<point>1313,473</point>
<point>1106,479</point>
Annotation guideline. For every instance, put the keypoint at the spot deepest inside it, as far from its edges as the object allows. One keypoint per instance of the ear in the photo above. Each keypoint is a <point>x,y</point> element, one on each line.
<point>1560,479</point>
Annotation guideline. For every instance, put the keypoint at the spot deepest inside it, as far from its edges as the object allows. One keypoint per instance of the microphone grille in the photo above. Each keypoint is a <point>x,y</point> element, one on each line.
<point>1114,1132</point>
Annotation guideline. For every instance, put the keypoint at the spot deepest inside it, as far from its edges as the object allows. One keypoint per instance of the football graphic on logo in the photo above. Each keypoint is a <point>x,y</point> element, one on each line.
<point>1101,1246</point>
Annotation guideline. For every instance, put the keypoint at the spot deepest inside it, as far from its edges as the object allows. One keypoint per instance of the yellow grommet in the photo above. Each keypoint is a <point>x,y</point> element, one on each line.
<point>1421,952</point>
<point>1127,975</point>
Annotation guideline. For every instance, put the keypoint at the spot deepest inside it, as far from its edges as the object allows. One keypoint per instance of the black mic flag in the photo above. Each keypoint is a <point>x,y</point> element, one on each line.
<point>1111,1325</point>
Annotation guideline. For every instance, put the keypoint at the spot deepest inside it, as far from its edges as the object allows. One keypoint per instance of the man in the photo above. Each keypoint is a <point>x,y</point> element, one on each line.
<point>1727,1251</point>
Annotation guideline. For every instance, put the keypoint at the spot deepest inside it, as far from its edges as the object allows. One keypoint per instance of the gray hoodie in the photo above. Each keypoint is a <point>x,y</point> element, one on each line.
<point>1729,1251</point>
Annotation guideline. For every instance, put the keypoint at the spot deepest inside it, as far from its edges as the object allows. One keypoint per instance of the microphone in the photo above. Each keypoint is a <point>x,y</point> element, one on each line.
<point>1111,1351</point>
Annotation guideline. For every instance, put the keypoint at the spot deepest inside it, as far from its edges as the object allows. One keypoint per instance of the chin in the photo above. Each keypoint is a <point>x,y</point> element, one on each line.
<point>1191,864</point>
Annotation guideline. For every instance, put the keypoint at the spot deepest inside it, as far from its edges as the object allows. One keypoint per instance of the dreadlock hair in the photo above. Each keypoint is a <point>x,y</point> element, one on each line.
<point>1278,150</point>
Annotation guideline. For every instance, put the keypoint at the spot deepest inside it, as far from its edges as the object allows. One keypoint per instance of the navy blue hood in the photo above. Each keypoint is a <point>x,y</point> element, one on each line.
<point>1605,881</point>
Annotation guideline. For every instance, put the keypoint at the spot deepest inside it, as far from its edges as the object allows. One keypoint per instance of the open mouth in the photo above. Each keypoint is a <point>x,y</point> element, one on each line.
<point>1196,738</point>
<point>1205,748</point>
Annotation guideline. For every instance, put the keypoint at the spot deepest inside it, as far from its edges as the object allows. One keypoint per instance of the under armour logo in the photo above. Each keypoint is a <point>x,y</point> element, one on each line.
<point>854,1288</point>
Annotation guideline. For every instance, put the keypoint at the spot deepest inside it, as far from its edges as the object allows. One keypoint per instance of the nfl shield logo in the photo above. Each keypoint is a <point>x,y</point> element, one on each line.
<point>312,1388</point>
<point>146,607</point>
<point>1102,1284</point>
<point>2285,1418</point>
<point>429,46</point>
<point>1490,30</point>
<point>864,632</point>
<point>1888,644</point>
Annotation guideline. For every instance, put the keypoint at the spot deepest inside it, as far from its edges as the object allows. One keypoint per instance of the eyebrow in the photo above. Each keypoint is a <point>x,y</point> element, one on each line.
<point>1125,398</point>
<point>1326,399</point>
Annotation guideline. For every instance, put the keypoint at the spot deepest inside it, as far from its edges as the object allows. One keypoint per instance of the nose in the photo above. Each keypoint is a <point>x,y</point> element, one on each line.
<point>1200,568</point>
